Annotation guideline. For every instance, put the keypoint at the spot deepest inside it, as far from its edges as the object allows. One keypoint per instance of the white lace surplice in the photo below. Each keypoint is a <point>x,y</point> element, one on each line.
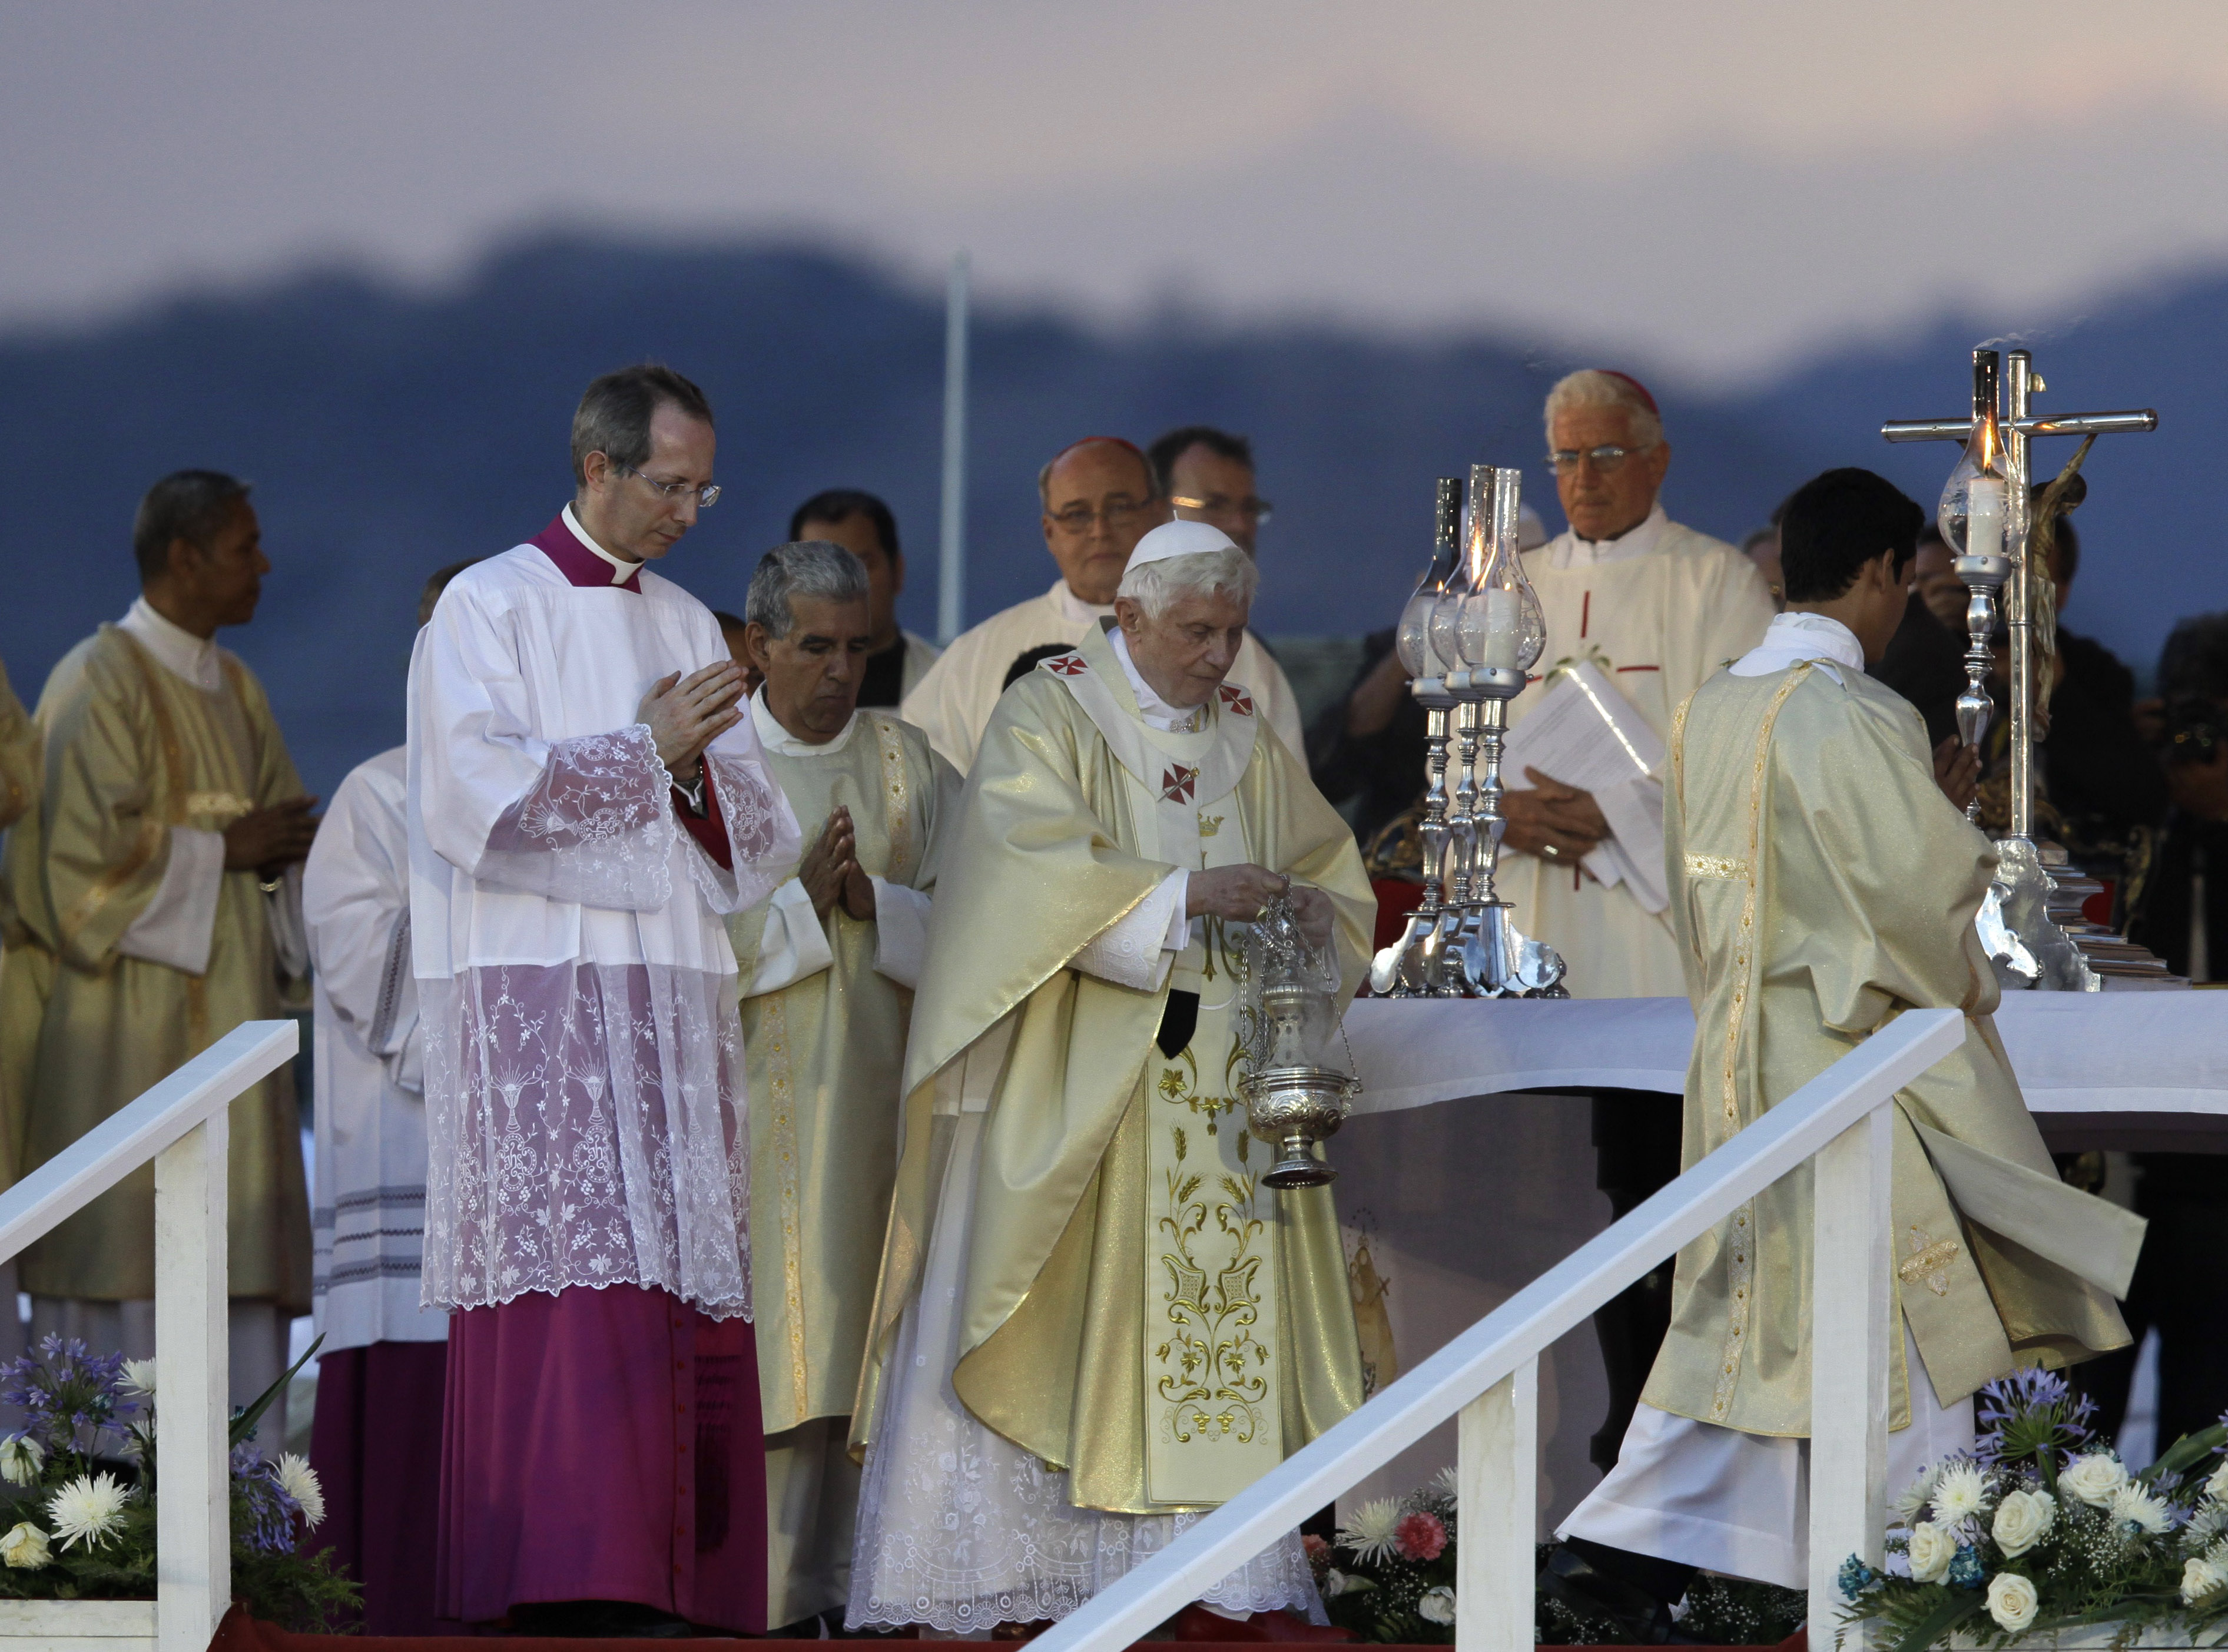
<point>585,1085</point>
<point>959,1529</point>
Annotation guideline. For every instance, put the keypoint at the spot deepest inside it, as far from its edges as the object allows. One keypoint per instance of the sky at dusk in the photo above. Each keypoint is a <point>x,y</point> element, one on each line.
<point>1713,190</point>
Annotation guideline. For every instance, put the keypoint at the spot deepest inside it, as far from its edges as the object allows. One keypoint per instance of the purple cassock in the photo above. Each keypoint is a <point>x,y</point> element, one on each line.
<point>588,1176</point>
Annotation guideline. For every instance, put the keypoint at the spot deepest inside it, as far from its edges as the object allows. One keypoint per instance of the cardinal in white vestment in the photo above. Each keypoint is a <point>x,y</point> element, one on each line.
<point>1100,497</point>
<point>586,800</point>
<point>1656,608</point>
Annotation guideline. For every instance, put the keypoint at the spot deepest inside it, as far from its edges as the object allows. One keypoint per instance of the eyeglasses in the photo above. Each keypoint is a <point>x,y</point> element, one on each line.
<point>1605,459</point>
<point>1119,513</point>
<point>706,496</point>
<point>1254,510</point>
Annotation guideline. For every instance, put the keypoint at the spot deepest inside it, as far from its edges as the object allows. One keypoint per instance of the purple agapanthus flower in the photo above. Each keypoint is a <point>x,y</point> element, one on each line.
<point>2028,1412</point>
<point>270,1511</point>
<point>65,1392</point>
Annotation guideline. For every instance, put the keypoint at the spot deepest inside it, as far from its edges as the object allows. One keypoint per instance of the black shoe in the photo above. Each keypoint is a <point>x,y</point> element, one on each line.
<point>1590,1592</point>
<point>599,1620</point>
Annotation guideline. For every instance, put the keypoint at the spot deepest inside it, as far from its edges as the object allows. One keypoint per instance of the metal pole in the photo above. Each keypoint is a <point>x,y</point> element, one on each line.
<point>951,569</point>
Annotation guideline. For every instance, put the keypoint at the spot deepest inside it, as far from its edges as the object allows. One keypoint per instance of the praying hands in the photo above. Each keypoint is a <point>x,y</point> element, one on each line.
<point>1553,821</point>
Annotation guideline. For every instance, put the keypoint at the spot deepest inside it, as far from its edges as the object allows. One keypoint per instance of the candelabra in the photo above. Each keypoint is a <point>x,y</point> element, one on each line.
<point>1500,634</point>
<point>2030,949</point>
<point>1408,967</point>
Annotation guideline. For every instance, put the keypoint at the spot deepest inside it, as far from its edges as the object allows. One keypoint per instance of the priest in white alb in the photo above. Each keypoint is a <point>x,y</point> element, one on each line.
<point>1100,496</point>
<point>1073,1141</point>
<point>829,963</point>
<point>1656,608</point>
<point>1822,884</point>
<point>587,800</point>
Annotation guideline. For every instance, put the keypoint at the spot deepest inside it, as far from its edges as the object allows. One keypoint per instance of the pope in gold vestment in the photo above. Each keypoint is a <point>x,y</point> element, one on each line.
<point>132,751</point>
<point>1121,1324</point>
<point>1822,885</point>
<point>825,1008</point>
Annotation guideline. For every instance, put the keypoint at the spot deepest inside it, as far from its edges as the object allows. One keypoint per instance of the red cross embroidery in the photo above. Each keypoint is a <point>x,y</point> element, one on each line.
<point>1237,699</point>
<point>1068,665</point>
<point>1177,785</point>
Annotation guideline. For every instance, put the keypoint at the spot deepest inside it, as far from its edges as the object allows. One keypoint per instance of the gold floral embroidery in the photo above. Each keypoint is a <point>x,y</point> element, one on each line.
<point>1213,1381</point>
<point>225,804</point>
<point>1715,865</point>
<point>896,797</point>
<point>1740,1281</point>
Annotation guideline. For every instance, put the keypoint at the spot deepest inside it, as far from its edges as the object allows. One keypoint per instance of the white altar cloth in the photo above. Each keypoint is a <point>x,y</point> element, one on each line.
<point>2137,1067</point>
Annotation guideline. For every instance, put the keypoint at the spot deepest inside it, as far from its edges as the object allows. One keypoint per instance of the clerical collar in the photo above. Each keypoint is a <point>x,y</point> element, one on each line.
<point>177,650</point>
<point>1569,551</point>
<point>777,739</point>
<point>1073,608</point>
<point>1154,710</point>
<point>580,560</point>
<point>1792,638</point>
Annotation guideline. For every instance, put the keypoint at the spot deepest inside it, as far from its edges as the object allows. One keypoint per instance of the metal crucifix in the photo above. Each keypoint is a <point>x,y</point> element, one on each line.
<point>2030,949</point>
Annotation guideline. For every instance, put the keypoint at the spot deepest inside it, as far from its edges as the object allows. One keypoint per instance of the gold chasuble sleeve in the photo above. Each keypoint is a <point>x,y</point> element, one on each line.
<point>1821,885</point>
<point>130,752</point>
<point>1049,851</point>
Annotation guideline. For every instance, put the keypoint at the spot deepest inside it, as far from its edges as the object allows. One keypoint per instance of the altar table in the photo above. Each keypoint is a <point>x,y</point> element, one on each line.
<point>1466,1182</point>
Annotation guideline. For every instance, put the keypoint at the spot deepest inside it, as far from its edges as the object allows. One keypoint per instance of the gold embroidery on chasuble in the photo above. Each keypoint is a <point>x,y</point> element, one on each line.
<point>1928,1261</point>
<point>1214,1421</point>
<point>1741,1240</point>
<point>1715,865</point>
<point>896,798</point>
<point>781,1103</point>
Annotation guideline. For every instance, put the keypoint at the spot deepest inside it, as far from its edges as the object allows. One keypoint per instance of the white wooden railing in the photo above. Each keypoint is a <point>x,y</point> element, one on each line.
<point>1490,1374</point>
<point>183,1125</point>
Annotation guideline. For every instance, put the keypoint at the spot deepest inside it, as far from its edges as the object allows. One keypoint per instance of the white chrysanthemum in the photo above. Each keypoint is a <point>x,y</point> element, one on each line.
<point>25,1547</point>
<point>1917,1495</point>
<point>20,1459</point>
<point>2139,1508</point>
<point>139,1377</point>
<point>86,1510</point>
<point>2217,1487</point>
<point>2094,1479</point>
<point>1961,1492</point>
<point>2210,1521</point>
<point>1446,1484</point>
<point>1372,1535</point>
<point>300,1481</point>
<point>2201,1578</point>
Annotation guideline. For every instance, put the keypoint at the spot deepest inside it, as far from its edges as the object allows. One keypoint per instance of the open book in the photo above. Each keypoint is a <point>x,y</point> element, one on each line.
<point>1586,734</point>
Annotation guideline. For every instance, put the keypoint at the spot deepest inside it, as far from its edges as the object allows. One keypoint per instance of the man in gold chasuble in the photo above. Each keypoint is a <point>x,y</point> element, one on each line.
<point>1094,1321</point>
<point>156,896</point>
<point>828,964</point>
<point>1822,885</point>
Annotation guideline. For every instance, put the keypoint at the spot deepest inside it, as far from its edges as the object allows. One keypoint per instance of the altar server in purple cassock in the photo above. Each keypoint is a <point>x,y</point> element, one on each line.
<point>587,799</point>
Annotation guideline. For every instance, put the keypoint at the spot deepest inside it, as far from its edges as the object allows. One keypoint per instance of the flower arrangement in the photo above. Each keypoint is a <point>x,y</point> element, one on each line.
<point>77,1508</point>
<point>2042,1529</point>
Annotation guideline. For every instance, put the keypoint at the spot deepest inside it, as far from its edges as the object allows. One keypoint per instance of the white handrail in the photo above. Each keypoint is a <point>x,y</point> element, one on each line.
<point>1484,1372</point>
<point>183,1125</point>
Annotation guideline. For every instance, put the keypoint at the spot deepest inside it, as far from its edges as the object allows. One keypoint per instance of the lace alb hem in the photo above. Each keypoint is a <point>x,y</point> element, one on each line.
<point>585,1126</point>
<point>596,828</point>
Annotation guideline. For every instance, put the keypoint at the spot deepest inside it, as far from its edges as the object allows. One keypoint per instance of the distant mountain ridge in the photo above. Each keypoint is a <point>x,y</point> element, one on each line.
<point>389,433</point>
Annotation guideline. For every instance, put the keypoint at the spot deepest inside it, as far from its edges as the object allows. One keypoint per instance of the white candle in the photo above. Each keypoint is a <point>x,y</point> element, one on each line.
<point>1504,625</point>
<point>1984,517</point>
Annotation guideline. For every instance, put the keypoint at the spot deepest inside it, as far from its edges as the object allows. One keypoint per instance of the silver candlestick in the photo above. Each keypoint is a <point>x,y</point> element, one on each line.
<point>1451,978</point>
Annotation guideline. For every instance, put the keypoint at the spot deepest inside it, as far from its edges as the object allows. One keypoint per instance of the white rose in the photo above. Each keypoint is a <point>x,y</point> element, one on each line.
<point>1438,1605</point>
<point>2201,1578</point>
<point>20,1459</point>
<point>1933,1546</point>
<point>1333,1584</point>
<point>2094,1479</point>
<point>2011,1601</point>
<point>2023,1519</point>
<point>2217,1487</point>
<point>25,1547</point>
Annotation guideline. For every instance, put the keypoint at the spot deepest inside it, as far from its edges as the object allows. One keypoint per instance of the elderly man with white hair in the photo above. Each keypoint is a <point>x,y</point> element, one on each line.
<point>1028,1371</point>
<point>1656,608</point>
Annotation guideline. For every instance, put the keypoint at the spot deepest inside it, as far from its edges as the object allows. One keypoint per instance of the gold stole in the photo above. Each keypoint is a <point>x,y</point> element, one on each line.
<point>1213,1424</point>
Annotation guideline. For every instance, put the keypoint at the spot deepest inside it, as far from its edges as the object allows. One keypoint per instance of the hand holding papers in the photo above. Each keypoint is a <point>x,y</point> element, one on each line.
<point>1585,734</point>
